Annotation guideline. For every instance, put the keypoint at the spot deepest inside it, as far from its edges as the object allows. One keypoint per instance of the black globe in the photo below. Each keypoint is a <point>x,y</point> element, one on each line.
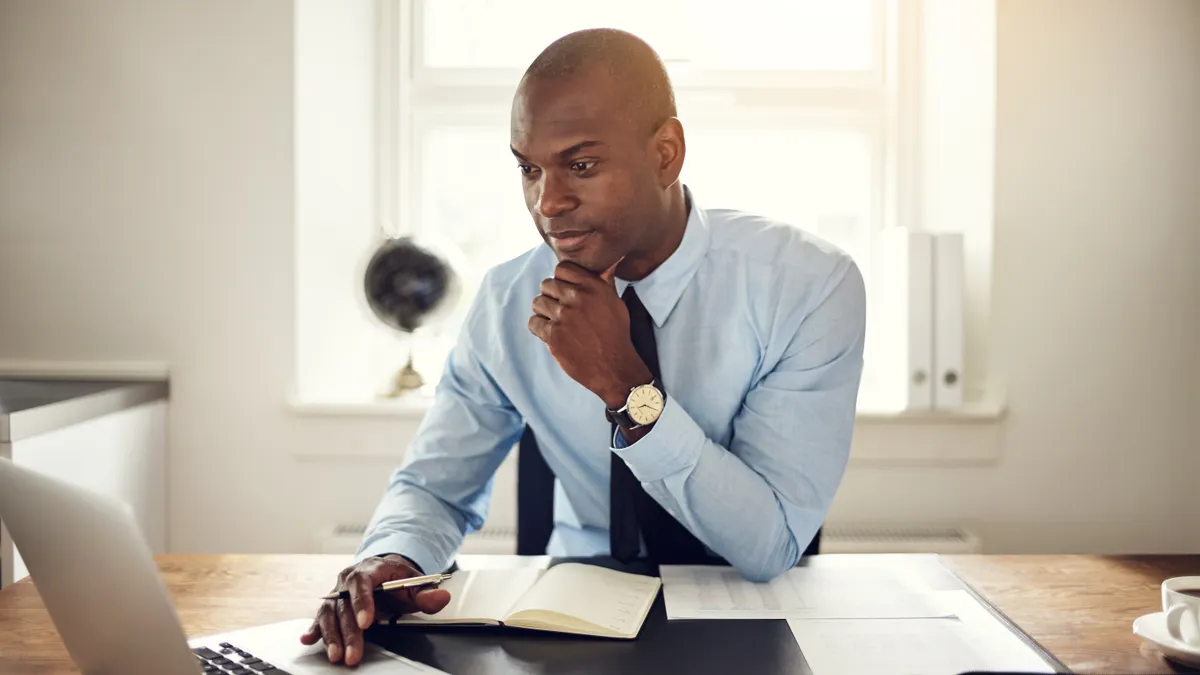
<point>406,283</point>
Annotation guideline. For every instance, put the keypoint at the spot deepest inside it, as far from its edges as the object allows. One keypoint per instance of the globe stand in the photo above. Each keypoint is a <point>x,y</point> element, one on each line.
<point>405,381</point>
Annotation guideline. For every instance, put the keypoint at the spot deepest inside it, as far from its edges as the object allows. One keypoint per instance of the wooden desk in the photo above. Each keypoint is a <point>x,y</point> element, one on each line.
<point>1081,608</point>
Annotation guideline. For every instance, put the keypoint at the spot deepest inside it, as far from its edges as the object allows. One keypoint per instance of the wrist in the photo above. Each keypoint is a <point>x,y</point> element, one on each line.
<point>617,393</point>
<point>632,436</point>
<point>404,560</point>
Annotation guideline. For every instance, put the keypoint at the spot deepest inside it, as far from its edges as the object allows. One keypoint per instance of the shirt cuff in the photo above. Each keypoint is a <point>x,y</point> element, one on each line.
<point>673,445</point>
<point>406,545</point>
<point>618,439</point>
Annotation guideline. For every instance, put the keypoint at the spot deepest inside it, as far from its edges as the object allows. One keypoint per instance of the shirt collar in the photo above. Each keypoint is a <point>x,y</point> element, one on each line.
<point>661,289</point>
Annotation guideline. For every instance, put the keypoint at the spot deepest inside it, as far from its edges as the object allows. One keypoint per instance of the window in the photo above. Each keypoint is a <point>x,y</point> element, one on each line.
<point>805,111</point>
<point>788,110</point>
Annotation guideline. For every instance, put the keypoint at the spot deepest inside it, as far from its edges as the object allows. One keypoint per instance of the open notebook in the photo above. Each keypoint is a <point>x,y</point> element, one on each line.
<point>567,598</point>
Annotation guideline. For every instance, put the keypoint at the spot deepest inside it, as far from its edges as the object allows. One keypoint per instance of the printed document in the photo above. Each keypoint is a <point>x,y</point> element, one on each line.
<point>713,592</point>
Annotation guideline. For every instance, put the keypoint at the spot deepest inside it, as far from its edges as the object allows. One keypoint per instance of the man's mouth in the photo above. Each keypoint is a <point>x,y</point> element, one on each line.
<point>569,241</point>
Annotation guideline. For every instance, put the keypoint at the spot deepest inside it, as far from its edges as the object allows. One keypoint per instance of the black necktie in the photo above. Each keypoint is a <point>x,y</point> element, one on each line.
<point>633,512</point>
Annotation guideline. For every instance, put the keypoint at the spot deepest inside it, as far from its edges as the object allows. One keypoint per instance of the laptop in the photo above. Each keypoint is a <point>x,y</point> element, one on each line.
<point>98,579</point>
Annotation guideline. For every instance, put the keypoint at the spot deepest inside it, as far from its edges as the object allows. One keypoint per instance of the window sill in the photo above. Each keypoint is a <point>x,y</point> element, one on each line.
<point>968,436</point>
<point>411,407</point>
<point>982,412</point>
<point>415,407</point>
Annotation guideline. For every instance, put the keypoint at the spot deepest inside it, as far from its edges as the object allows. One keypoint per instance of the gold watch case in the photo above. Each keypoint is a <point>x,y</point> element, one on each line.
<point>644,404</point>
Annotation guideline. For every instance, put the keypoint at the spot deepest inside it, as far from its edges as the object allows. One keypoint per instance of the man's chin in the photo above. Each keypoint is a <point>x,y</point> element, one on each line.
<point>588,259</point>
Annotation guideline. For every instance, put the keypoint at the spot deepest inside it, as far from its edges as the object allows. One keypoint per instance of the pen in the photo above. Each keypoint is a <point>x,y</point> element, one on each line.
<point>427,580</point>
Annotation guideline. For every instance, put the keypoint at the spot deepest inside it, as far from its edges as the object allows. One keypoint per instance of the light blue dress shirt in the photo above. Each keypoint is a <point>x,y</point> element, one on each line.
<point>760,330</point>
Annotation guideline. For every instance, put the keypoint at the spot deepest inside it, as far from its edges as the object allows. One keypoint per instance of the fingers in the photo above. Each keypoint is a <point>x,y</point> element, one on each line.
<point>310,636</point>
<point>547,307</point>
<point>432,600</point>
<point>396,602</point>
<point>581,276</point>
<point>352,638</point>
<point>330,633</point>
<point>608,275</point>
<point>540,326</point>
<point>362,600</point>
<point>574,274</point>
<point>565,293</point>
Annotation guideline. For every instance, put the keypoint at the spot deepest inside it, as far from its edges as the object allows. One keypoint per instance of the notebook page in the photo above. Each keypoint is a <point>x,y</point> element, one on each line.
<point>482,594</point>
<point>614,600</point>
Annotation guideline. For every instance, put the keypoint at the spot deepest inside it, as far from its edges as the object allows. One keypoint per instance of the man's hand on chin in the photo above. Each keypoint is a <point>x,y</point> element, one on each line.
<point>585,324</point>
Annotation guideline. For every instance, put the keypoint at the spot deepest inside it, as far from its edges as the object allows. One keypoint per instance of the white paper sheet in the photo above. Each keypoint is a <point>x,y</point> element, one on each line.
<point>974,640</point>
<point>710,592</point>
<point>990,637</point>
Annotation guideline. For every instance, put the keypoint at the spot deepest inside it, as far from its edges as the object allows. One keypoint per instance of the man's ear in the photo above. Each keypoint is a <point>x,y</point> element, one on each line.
<point>669,149</point>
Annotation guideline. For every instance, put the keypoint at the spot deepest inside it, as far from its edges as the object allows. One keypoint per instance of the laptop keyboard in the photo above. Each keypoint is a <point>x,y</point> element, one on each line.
<point>229,660</point>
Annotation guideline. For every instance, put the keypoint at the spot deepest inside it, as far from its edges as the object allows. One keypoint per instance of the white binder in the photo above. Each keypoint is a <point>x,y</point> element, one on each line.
<point>949,270</point>
<point>902,330</point>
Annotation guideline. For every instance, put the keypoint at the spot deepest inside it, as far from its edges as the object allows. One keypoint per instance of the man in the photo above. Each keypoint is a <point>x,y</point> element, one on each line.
<point>690,376</point>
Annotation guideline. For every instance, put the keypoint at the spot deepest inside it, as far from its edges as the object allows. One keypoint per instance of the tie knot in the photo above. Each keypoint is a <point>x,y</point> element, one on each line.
<point>639,316</point>
<point>632,301</point>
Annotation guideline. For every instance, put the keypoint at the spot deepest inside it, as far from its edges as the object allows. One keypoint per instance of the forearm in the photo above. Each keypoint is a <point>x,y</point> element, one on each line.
<point>413,522</point>
<point>728,505</point>
<point>736,513</point>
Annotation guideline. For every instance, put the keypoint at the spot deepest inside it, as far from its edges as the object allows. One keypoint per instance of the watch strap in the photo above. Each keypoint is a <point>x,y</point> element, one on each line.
<point>620,418</point>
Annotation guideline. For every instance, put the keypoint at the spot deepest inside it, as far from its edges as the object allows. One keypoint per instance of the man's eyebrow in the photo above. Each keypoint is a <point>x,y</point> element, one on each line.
<point>562,154</point>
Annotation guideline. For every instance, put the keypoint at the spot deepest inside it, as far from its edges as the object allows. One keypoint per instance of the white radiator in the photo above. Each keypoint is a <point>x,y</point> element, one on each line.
<point>862,538</point>
<point>344,539</point>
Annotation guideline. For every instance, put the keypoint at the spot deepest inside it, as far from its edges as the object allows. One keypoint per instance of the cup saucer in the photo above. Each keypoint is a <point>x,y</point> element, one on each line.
<point>1153,628</point>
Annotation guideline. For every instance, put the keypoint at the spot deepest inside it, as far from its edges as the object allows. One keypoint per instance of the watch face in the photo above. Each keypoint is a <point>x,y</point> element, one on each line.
<point>645,404</point>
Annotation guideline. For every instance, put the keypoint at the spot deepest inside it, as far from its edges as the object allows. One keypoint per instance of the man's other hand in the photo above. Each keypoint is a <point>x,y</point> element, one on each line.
<point>340,623</point>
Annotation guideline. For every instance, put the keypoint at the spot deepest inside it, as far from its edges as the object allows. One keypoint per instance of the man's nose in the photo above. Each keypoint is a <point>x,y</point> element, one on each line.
<point>556,197</point>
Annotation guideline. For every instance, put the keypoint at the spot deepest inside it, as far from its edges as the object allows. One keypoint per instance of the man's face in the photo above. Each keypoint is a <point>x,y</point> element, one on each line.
<point>586,166</point>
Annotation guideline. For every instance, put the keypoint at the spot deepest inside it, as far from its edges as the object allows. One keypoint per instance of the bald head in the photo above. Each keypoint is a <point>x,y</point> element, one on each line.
<point>645,86</point>
<point>600,149</point>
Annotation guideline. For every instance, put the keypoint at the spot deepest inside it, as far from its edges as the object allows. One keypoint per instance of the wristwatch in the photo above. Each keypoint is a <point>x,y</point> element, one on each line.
<point>642,407</point>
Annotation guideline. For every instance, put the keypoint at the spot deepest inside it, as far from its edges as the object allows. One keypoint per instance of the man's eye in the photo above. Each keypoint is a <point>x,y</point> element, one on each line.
<point>580,167</point>
<point>526,169</point>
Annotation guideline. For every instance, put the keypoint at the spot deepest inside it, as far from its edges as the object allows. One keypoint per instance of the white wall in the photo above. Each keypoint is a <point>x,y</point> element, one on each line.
<point>1096,291</point>
<point>147,212</point>
<point>146,208</point>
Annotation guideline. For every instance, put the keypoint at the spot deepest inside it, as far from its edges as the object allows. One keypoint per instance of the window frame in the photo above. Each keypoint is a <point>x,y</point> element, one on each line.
<point>423,76</point>
<point>887,96</point>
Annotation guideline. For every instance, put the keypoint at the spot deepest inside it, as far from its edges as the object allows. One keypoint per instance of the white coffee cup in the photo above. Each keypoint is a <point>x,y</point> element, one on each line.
<point>1182,610</point>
